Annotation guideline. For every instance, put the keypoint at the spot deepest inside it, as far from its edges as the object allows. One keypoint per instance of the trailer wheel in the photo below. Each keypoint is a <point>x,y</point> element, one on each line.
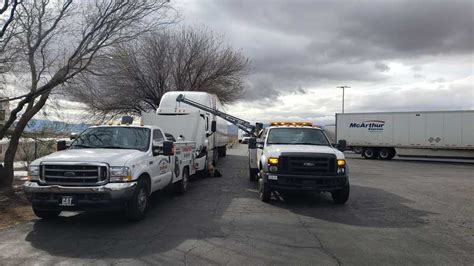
<point>182,185</point>
<point>222,151</point>
<point>204,172</point>
<point>369,153</point>
<point>43,214</point>
<point>386,153</point>
<point>357,150</point>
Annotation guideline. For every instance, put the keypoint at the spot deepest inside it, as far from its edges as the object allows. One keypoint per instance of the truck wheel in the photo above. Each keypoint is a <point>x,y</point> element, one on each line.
<point>46,214</point>
<point>341,196</point>
<point>138,204</point>
<point>182,185</point>
<point>264,192</point>
<point>205,172</point>
<point>369,153</point>
<point>253,174</point>
<point>215,157</point>
<point>386,153</point>
<point>357,150</point>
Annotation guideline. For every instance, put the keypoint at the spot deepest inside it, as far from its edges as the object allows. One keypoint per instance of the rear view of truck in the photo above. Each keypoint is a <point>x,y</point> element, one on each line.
<point>441,134</point>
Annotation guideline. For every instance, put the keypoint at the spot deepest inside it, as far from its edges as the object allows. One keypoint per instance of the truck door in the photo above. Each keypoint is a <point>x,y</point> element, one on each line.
<point>162,165</point>
<point>262,139</point>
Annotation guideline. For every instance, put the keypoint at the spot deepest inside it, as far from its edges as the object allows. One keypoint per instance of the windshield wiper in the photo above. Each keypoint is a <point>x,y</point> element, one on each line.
<point>83,146</point>
<point>114,147</point>
<point>309,143</point>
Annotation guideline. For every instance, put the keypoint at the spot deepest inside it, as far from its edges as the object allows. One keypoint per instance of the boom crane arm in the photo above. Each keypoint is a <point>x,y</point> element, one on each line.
<point>240,123</point>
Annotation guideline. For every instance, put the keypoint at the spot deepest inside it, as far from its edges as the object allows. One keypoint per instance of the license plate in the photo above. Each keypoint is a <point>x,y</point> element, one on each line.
<point>67,201</point>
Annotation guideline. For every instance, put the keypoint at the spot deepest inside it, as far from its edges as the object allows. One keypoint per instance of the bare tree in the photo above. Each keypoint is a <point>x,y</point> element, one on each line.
<point>136,75</point>
<point>7,10</point>
<point>59,40</point>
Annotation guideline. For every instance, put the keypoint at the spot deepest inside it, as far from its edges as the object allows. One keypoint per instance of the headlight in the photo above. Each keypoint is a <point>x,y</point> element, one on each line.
<point>33,173</point>
<point>273,169</point>
<point>341,163</point>
<point>120,174</point>
<point>273,161</point>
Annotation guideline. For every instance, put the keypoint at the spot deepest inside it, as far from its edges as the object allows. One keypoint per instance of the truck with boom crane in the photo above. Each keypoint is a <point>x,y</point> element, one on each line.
<point>294,156</point>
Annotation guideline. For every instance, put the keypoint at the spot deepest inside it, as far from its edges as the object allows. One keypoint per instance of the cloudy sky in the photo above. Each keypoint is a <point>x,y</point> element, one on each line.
<point>395,55</point>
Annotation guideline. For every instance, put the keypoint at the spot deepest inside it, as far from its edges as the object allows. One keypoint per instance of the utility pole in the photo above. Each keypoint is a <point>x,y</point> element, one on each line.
<point>343,92</point>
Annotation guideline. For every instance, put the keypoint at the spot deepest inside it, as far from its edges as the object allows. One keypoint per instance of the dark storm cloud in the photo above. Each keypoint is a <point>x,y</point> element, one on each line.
<point>309,43</point>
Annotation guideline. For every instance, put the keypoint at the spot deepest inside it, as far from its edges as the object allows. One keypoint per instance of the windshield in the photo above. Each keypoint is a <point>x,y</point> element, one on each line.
<point>306,136</point>
<point>114,138</point>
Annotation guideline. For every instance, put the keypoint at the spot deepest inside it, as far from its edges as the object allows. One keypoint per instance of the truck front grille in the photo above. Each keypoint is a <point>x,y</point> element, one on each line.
<point>324,164</point>
<point>74,174</point>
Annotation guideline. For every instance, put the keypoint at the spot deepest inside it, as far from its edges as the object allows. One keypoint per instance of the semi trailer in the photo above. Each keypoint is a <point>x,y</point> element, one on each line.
<point>435,134</point>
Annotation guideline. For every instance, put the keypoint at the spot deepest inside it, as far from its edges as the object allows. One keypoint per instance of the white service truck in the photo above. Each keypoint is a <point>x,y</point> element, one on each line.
<point>109,167</point>
<point>189,123</point>
<point>297,156</point>
<point>293,156</point>
<point>437,134</point>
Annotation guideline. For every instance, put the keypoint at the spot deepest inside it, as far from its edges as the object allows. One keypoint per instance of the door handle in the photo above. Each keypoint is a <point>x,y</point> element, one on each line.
<point>150,162</point>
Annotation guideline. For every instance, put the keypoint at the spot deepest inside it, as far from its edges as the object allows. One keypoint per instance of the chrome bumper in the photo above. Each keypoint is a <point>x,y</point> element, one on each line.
<point>114,190</point>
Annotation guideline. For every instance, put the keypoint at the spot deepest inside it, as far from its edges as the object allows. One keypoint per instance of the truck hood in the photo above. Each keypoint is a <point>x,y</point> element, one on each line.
<point>114,157</point>
<point>275,150</point>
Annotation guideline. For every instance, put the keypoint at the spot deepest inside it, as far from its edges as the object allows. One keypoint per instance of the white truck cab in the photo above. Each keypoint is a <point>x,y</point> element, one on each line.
<point>109,167</point>
<point>298,156</point>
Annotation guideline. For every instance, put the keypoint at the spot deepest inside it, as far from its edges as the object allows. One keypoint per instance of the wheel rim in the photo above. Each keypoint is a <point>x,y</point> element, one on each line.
<point>142,200</point>
<point>383,154</point>
<point>369,153</point>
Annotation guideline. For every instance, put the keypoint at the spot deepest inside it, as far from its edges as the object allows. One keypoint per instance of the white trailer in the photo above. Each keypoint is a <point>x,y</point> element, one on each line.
<point>181,120</point>
<point>437,134</point>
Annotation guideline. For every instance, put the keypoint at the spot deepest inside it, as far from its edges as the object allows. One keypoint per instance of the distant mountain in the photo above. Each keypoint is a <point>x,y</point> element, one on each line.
<point>44,125</point>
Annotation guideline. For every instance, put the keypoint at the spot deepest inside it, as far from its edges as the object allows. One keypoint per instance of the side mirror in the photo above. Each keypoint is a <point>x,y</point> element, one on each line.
<point>168,148</point>
<point>252,143</point>
<point>61,145</point>
<point>213,126</point>
<point>73,136</point>
<point>260,143</point>
<point>342,145</point>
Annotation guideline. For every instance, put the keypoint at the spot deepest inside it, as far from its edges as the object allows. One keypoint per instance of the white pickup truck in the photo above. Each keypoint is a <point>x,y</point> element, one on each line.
<point>299,157</point>
<point>109,168</point>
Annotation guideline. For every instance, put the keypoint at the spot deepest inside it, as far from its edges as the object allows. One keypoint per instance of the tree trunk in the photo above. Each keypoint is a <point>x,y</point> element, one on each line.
<point>7,181</point>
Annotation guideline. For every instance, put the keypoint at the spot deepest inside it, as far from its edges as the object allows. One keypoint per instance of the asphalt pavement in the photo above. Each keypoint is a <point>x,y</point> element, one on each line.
<point>399,212</point>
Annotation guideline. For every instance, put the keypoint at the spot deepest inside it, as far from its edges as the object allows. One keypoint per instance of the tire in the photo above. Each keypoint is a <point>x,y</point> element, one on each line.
<point>357,150</point>
<point>181,186</point>
<point>369,153</point>
<point>341,196</point>
<point>264,192</point>
<point>222,151</point>
<point>205,172</point>
<point>386,153</point>
<point>215,158</point>
<point>46,214</point>
<point>253,174</point>
<point>138,204</point>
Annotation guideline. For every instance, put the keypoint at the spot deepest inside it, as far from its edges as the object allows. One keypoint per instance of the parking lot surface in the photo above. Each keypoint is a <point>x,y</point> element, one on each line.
<point>399,212</point>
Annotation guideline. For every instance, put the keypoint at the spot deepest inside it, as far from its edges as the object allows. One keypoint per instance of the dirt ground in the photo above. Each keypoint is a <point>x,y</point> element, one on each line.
<point>14,207</point>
